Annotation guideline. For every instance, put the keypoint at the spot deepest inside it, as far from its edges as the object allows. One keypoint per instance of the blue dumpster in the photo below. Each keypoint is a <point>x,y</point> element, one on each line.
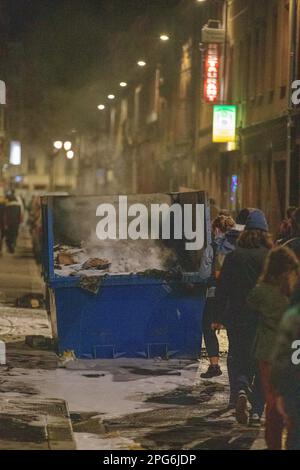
<point>132,315</point>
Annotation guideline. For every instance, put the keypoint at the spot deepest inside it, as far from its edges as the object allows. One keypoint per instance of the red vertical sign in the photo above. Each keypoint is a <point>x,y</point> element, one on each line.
<point>211,73</point>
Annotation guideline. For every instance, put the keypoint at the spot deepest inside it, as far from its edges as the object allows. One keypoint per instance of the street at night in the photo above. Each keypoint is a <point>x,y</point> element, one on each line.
<point>150,229</point>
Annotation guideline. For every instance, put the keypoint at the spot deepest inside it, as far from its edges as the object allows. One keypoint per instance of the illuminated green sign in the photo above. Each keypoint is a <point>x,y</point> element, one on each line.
<point>224,123</point>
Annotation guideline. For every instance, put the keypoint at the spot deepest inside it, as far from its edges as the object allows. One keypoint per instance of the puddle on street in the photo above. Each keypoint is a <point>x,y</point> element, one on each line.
<point>153,372</point>
<point>186,396</point>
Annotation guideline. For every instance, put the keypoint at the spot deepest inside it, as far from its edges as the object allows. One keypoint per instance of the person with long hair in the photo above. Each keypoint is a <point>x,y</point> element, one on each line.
<point>224,241</point>
<point>270,299</point>
<point>239,275</point>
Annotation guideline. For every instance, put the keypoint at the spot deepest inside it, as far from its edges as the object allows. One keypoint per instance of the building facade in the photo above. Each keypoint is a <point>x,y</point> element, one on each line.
<point>161,127</point>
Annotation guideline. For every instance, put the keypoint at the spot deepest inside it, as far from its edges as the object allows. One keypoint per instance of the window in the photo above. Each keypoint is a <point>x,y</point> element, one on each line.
<point>248,67</point>
<point>273,48</point>
<point>284,42</point>
<point>262,61</point>
<point>31,164</point>
<point>256,55</point>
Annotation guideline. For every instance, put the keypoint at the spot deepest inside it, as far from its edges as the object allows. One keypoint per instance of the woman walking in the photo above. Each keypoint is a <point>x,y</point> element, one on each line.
<point>239,275</point>
<point>270,299</point>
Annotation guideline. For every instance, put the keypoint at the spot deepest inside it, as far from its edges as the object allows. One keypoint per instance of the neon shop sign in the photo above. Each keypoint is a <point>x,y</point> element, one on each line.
<point>211,71</point>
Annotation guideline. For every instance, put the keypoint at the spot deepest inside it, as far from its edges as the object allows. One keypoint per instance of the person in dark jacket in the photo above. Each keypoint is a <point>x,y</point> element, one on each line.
<point>239,275</point>
<point>12,222</point>
<point>285,374</point>
<point>292,241</point>
<point>287,225</point>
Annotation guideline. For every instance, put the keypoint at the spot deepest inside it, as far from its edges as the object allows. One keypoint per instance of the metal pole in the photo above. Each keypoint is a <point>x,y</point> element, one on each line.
<point>197,81</point>
<point>290,191</point>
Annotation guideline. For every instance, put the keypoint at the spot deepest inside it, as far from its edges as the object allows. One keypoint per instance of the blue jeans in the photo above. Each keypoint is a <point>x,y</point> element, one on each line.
<point>242,371</point>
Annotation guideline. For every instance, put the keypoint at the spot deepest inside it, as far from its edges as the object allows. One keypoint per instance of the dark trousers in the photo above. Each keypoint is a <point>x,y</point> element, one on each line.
<point>11,237</point>
<point>274,421</point>
<point>242,370</point>
<point>210,336</point>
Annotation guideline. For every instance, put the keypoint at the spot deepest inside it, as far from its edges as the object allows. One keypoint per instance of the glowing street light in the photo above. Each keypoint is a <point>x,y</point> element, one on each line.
<point>70,154</point>
<point>123,84</point>
<point>111,97</point>
<point>58,145</point>
<point>142,63</point>
<point>101,107</point>
<point>67,145</point>
<point>164,37</point>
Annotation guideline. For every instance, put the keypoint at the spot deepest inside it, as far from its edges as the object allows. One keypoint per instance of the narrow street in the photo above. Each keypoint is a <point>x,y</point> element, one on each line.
<point>101,404</point>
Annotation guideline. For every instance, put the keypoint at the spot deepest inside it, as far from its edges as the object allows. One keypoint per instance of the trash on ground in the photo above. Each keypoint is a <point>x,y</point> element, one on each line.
<point>66,357</point>
<point>35,301</point>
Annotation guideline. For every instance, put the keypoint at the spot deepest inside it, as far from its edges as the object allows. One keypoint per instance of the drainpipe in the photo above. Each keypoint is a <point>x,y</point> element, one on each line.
<point>291,161</point>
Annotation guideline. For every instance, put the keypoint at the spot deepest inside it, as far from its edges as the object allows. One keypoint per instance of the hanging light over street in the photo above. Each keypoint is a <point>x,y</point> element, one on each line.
<point>58,145</point>
<point>70,154</point>
<point>67,145</point>
<point>164,37</point>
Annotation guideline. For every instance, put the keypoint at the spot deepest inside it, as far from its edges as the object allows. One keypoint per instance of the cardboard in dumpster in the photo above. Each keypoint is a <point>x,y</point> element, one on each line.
<point>78,251</point>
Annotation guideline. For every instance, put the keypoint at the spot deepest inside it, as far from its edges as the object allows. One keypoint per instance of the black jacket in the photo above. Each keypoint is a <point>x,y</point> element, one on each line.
<point>12,215</point>
<point>239,275</point>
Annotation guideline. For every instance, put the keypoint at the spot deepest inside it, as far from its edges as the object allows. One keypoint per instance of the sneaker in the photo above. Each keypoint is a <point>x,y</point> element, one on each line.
<point>241,408</point>
<point>255,421</point>
<point>212,371</point>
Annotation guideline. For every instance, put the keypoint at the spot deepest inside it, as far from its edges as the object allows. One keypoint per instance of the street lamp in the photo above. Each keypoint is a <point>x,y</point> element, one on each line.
<point>58,145</point>
<point>111,97</point>
<point>70,154</point>
<point>142,63</point>
<point>67,145</point>
<point>123,84</point>
<point>164,37</point>
<point>101,107</point>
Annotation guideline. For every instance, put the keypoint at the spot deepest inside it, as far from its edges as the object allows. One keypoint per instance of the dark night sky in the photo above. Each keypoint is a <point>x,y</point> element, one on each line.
<point>116,13</point>
<point>67,47</point>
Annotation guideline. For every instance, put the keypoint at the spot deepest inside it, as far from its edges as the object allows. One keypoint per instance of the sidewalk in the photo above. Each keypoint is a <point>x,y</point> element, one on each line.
<point>27,421</point>
<point>114,405</point>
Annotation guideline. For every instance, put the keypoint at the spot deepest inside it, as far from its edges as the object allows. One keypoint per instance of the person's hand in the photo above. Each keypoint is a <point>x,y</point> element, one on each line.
<point>217,327</point>
<point>281,409</point>
<point>190,287</point>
